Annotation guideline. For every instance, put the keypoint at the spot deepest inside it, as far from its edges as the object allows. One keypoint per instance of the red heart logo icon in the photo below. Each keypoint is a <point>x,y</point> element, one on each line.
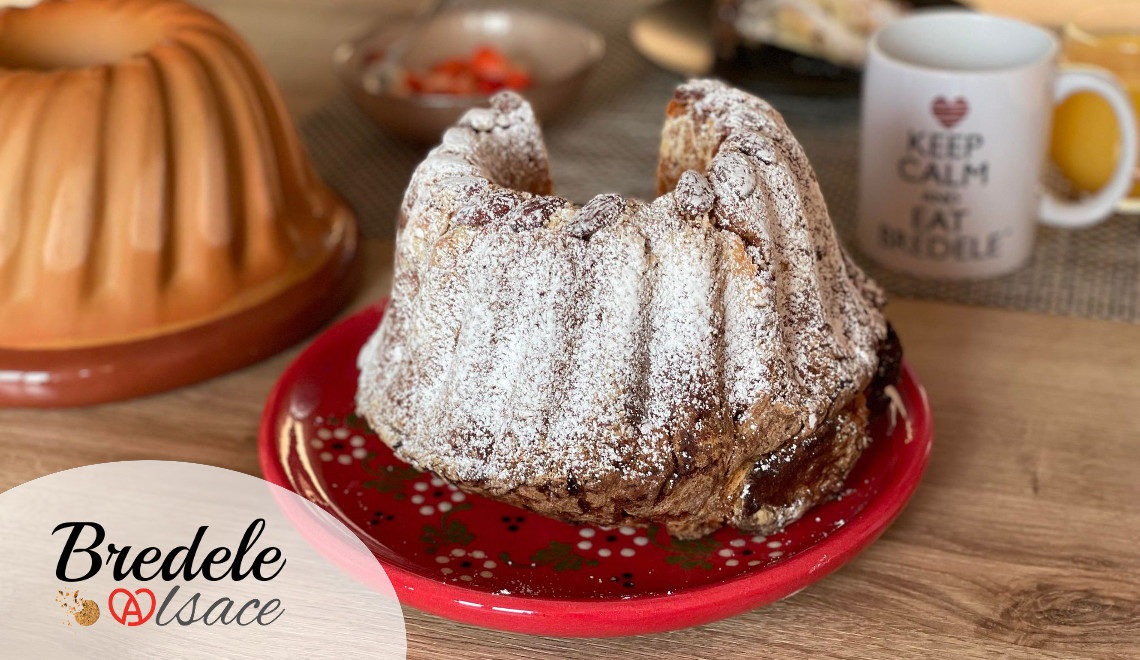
<point>949,113</point>
<point>130,607</point>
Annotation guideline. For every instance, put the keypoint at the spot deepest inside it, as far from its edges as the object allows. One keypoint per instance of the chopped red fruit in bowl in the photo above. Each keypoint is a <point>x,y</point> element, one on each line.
<point>485,71</point>
<point>416,79</point>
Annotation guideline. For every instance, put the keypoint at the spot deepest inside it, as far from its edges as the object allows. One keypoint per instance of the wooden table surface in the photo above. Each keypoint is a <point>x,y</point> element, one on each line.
<point>1022,541</point>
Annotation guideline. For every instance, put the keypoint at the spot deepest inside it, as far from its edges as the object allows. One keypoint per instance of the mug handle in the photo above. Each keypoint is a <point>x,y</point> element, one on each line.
<point>1098,206</point>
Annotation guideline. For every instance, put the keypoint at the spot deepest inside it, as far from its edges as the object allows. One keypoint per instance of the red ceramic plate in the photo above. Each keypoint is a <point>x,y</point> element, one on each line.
<point>482,562</point>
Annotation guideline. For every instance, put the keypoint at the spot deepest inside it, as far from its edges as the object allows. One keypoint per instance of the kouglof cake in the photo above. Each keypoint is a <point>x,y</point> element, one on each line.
<point>710,357</point>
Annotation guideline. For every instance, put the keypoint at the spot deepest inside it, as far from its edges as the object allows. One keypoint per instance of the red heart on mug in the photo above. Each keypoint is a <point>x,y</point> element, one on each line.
<point>131,607</point>
<point>949,113</point>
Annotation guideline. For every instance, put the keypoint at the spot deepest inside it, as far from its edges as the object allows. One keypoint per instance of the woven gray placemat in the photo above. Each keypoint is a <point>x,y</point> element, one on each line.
<point>608,142</point>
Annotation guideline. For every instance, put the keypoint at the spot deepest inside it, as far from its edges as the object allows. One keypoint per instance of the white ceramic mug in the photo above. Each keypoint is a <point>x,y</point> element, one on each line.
<point>956,117</point>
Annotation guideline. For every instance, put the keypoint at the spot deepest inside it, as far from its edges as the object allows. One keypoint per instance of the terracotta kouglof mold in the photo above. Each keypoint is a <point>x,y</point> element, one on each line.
<point>160,222</point>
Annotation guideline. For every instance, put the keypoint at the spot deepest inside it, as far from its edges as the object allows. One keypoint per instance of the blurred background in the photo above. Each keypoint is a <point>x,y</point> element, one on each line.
<point>606,140</point>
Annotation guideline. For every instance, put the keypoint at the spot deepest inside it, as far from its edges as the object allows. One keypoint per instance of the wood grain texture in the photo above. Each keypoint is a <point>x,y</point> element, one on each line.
<point>1022,541</point>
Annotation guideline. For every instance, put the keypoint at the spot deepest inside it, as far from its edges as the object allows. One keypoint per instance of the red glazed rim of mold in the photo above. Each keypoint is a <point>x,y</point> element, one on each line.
<point>49,378</point>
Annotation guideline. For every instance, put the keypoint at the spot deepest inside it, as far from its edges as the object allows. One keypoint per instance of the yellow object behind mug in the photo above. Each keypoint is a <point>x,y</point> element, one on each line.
<point>1086,139</point>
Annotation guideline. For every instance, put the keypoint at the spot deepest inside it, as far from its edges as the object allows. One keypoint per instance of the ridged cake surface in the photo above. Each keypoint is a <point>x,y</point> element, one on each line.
<point>623,361</point>
<point>150,178</point>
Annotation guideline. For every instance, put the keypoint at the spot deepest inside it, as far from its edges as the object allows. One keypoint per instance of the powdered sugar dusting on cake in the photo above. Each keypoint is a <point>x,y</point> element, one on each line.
<point>535,346</point>
<point>693,193</point>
